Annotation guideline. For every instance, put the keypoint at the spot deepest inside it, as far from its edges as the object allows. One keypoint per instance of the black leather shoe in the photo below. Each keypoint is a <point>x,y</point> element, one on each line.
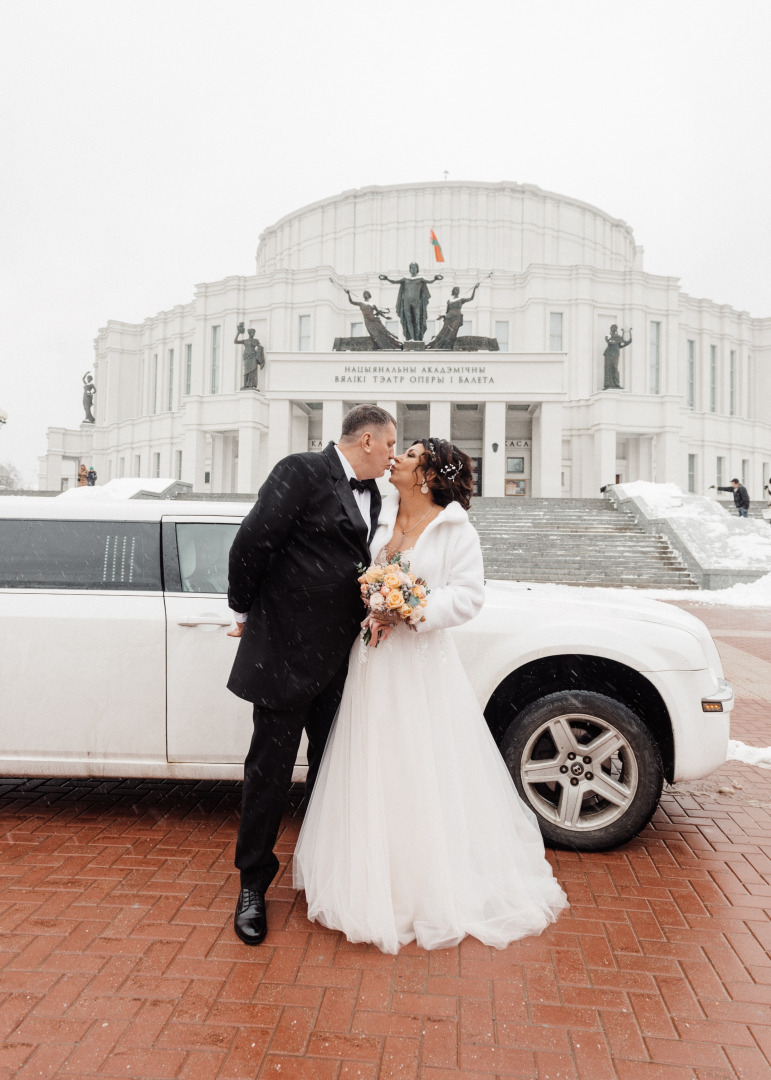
<point>249,922</point>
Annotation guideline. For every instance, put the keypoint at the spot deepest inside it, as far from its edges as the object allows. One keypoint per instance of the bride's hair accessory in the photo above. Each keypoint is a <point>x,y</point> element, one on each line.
<point>452,478</point>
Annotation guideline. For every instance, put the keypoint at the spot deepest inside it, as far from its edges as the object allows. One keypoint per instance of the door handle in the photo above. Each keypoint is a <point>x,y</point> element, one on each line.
<point>204,620</point>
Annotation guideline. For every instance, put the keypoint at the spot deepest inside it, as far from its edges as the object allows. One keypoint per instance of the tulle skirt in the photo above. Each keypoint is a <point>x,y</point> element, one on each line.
<point>415,831</point>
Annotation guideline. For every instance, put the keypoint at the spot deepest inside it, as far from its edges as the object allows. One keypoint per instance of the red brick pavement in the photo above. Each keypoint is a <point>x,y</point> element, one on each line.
<point>117,956</point>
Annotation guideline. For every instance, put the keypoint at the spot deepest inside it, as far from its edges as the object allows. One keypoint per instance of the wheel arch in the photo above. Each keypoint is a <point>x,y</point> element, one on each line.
<point>551,674</point>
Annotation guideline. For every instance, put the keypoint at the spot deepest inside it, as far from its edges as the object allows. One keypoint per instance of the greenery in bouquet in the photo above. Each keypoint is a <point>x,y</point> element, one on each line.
<point>392,594</point>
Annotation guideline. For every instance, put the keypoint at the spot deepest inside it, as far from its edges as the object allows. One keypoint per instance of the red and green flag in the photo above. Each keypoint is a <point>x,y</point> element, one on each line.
<point>437,247</point>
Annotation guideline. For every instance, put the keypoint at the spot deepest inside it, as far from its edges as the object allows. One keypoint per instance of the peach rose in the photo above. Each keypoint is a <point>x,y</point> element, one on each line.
<point>405,610</point>
<point>394,599</point>
<point>374,574</point>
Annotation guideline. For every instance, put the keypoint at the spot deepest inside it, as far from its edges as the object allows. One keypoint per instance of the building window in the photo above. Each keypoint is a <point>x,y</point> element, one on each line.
<point>691,472</point>
<point>745,470</point>
<point>748,413</point>
<point>655,357</point>
<point>720,469</point>
<point>179,465</point>
<point>502,335</point>
<point>188,368</point>
<point>215,359</point>
<point>691,374</point>
<point>555,331</point>
<point>393,326</point>
<point>357,329</point>
<point>109,469</point>
<point>155,383</point>
<point>467,329</point>
<point>137,464</point>
<point>156,464</point>
<point>304,333</point>
<point>732,383</point>
<point>170,385</point>
<point>122,467</point>
<point>713,378</point>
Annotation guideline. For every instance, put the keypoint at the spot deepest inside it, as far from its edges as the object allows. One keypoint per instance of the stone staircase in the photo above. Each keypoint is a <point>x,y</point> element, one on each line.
<point>573,542</point>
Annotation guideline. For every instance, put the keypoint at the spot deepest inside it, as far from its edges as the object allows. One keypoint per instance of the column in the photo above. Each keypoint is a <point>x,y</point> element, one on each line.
<point>193,458</point>
<point>604,458</point>
<point>669,463</point>
<point>390,406</point>
<point>494,460</point>
<point>248,459</point>
<point>331,421</point>
<point>440,419</point>
<point>547,451</point>
<point>279,430</point>
<point>218,464</point>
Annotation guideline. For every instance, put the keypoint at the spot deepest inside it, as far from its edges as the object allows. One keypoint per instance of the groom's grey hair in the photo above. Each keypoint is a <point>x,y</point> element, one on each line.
<point>364,417</point>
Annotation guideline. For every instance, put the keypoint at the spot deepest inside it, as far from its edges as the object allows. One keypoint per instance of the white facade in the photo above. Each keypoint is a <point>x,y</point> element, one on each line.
<point>555,274</point>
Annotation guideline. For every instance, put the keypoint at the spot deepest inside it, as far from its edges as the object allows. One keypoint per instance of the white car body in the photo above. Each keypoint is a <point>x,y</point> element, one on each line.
<point>131,682</point>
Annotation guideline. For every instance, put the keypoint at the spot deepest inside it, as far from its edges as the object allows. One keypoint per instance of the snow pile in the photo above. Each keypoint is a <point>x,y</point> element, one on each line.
<point>750,755</point>
<point>119,490</point>
<point>717,539</point>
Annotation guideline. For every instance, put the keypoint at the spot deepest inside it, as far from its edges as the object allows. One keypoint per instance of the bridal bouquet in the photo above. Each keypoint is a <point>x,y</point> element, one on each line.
<point>392,593</point>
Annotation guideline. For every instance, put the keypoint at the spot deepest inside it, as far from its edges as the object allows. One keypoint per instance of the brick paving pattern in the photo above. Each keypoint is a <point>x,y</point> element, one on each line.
<point>117,956</point>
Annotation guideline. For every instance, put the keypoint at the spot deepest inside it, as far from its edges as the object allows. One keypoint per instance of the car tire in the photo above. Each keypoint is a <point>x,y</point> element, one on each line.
<point>587,766</point>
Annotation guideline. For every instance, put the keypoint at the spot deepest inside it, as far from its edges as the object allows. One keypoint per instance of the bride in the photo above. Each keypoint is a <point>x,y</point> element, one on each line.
<point>415,831</point>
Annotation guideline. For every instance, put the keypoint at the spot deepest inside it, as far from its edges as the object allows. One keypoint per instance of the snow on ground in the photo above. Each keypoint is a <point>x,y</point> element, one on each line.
<point>750,755</point>
<point>120,489</point>
<point>719,538</point>
<point>754,594</point>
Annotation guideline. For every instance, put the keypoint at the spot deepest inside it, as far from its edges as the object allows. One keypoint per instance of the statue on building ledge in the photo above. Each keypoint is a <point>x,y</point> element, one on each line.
<point>380,336</point>
<point>254,356</point>
<point>615,343</point>
<point>89,389</point>
<point>412,302</point>
<point>453,320</point>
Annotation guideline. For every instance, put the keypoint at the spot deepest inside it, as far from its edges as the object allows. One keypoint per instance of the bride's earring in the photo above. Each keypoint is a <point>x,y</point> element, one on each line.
<point>424,488</point>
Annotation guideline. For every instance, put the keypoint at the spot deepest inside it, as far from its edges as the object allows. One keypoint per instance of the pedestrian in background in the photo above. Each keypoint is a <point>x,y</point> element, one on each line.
<point>82,476</point>
<point>91,476</point>
<point>741,498</point>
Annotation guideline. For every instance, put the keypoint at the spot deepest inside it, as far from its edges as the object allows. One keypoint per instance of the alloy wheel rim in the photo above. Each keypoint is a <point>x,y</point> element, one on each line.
<point>579,772</point>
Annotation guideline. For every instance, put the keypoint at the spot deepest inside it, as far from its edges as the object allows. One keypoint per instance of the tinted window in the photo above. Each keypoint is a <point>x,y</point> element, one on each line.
<point>204,548</point>
<point>80,555</point>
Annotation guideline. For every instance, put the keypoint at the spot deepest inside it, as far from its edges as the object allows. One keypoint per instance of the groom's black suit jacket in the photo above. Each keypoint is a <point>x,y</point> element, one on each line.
<point>293,569</point>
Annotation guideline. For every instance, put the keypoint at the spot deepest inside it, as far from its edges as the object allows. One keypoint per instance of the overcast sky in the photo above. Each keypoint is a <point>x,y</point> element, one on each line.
<point>147,144</point>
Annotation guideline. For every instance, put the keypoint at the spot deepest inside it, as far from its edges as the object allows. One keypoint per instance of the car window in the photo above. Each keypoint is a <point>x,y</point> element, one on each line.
<point>204,548</point>
<point>80,555</point>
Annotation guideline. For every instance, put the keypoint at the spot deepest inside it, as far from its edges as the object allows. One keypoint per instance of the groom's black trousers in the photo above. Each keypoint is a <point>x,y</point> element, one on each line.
<point>268,774</point>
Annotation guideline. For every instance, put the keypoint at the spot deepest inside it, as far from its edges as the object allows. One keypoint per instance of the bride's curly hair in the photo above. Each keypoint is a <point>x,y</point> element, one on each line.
<point>448,472</point>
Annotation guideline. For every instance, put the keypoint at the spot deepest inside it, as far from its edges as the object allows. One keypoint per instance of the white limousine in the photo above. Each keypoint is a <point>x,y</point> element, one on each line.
<point>115,656</point>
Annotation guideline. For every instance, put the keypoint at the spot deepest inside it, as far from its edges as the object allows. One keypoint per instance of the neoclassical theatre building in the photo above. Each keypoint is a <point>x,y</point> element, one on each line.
<point>528,403</point>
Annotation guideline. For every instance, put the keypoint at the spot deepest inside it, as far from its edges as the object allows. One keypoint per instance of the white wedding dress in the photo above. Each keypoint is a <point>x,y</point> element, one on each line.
<point>415,830</point>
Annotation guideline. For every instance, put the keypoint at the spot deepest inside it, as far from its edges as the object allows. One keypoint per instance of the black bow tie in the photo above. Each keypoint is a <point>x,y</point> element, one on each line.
<point>361,485</point>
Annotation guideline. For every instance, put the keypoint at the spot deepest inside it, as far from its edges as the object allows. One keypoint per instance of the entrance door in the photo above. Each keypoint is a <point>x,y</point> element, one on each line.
<point>476,471</point>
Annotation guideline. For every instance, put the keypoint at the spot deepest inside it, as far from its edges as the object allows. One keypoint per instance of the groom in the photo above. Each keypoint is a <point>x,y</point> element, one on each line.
<point>293,569</point>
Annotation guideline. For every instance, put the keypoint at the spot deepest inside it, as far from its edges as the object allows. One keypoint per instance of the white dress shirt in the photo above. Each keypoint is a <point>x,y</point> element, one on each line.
<point>363,498</point>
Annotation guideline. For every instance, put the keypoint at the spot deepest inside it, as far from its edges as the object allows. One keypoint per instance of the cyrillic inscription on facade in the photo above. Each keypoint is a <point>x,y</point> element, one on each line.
<point>415,374</point>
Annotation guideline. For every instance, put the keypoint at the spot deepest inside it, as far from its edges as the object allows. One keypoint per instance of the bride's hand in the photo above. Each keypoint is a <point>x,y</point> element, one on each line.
<point>378,629</point>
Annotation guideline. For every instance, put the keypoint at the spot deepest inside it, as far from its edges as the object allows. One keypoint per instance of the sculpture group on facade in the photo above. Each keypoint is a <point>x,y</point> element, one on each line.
<point>615,343</point>
<point>253,358</point>
<point>412,311</point>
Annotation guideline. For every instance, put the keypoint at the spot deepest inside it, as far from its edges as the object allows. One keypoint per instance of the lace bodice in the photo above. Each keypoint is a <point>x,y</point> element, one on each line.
<point>381,559</point>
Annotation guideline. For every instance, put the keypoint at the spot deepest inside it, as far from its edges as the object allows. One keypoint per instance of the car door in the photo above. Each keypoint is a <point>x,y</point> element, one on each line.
<point>204,721</point>
<point>82,657</point>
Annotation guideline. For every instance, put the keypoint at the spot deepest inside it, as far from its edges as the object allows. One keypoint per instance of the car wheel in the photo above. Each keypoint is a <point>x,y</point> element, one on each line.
<point>587,766</point>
